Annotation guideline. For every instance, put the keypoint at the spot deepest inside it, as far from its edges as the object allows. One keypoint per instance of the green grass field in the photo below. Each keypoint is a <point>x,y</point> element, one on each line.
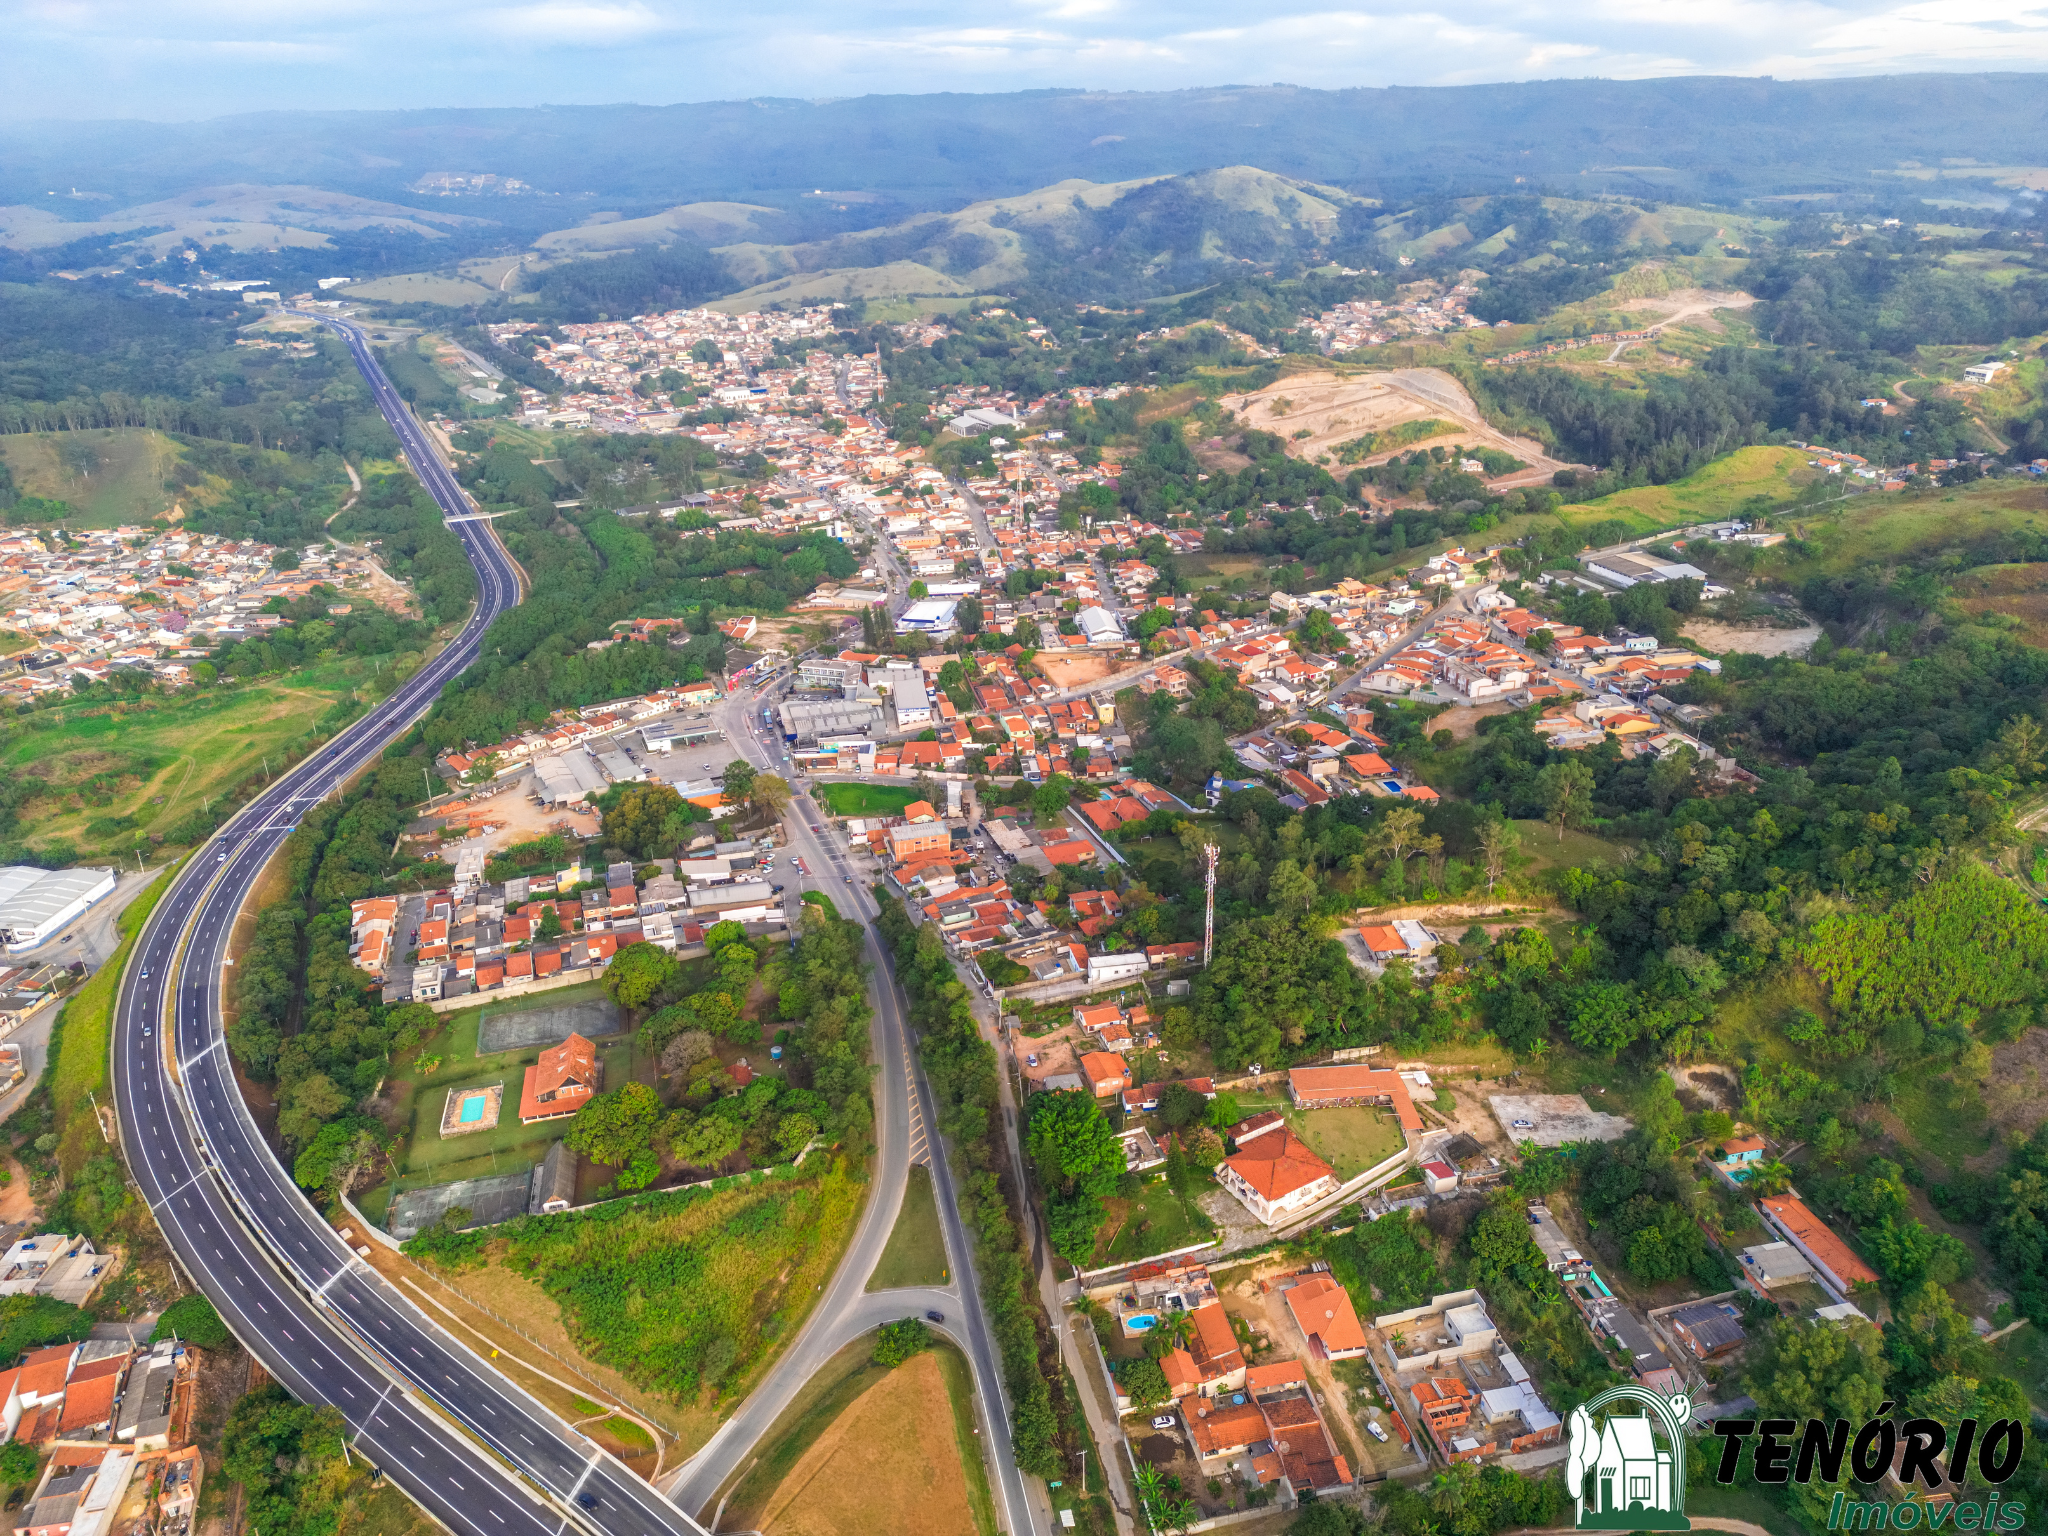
<point>84,1033</point>
<point>104,776</point>
<point>1882,529</point>
<point>1158,1221</point>
<point>109,476</point>
<point>820,900</point>
<point>1350,1139</point>
<point>916,1251</point>
<point>1703,495</point>
<point>866,799</point>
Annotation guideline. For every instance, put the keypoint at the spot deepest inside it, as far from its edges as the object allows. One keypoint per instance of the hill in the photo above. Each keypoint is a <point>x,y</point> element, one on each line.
<point>1146,232</point>
<point>1673,139</point>
<point>242,216</point>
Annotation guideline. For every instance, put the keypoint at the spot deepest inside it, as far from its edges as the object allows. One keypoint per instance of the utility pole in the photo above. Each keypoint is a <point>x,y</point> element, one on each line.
<point>1209,906</point>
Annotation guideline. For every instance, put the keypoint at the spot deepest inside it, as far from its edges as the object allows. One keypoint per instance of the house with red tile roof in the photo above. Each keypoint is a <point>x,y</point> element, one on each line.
<point>1322,1310</point>
<point>1211,1362</point>
<point>560,1083</point>
<point>1105,1072</point>
<point>1828,1254</point>
<point>1275,1174</point>
<point>1324,1087</point>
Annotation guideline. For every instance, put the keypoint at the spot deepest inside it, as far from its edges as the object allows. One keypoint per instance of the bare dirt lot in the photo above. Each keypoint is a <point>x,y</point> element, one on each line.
<point>1692,304</point>
<point>1073,671</point>
<point>1334,408</point>
<point>1552,1119</point>
<point>1750,641</point>
<point>2015,1098</point>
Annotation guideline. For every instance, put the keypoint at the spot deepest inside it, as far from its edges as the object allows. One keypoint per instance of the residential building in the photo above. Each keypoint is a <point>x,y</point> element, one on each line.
<point>1275,1174</point>
<point>1322,1087</point>
<point>1832,1259</point>
<point>561,1082</point>
<point>1322,1310</point>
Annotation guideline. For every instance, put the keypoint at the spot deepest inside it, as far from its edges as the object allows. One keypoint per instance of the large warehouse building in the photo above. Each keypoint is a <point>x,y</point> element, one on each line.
<point>36,903</point>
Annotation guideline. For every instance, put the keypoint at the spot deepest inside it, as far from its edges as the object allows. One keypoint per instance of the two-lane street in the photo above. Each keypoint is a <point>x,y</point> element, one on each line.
<point>905,1132</point>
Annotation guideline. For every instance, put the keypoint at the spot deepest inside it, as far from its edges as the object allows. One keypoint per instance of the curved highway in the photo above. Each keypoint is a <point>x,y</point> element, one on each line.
<point>472,1448</point>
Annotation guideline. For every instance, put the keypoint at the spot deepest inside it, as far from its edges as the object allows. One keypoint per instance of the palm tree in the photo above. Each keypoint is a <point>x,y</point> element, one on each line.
<point>1449,1488</point>
<point>1767,1179</point>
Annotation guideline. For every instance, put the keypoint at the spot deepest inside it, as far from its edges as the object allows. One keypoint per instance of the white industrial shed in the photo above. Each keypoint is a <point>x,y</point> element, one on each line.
<point>35,903</point>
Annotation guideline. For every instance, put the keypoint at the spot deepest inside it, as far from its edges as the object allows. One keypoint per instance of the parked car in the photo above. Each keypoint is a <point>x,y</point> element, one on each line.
<point>935,1317</point>
<point>1163,1421</point>
<point>1030,1061</point>
<point>1372,1427</point>
<point>1524,1125</point>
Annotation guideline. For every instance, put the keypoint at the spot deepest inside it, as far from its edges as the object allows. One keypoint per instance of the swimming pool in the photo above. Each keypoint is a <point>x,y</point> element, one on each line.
<point>1142,1321</point>
<point>472,1110</point>
<point>1391,786</point>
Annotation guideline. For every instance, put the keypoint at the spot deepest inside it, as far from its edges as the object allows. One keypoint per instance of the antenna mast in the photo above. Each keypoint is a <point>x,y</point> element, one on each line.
<point>1209,907</point>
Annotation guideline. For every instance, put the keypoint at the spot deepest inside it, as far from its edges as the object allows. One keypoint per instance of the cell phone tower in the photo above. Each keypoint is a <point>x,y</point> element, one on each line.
<point>1209,907</point>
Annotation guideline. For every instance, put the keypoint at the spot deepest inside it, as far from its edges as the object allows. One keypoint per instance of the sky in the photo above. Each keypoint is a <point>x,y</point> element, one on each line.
<point>202,58</point>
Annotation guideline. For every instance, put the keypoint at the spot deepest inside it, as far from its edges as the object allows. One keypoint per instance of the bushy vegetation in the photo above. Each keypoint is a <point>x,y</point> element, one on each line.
<point>289,1459</point>
<point>193,1319</point>
<point>962,1068</point>
<point>681,1293</point>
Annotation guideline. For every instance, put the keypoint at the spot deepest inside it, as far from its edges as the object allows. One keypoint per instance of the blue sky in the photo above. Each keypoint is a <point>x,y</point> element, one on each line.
<point>107,58</point>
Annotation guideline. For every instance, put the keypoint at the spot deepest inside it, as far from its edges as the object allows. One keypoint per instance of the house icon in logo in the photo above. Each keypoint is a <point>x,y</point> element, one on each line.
<point>1621,1478</point>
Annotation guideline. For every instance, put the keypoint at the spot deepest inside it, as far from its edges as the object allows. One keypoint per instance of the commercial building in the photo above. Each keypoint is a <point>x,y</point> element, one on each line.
<point>35,904</point>
<point>927,617</point>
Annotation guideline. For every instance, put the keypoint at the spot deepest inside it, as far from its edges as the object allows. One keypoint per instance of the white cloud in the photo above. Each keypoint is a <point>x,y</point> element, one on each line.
<point>92,57</point>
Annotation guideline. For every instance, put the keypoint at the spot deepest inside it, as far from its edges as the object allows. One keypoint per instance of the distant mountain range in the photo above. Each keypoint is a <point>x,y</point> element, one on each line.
<point>834,166</point>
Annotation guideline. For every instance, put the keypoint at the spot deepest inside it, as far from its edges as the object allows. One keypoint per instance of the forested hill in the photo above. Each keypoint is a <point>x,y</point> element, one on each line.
<point>1692,137</point>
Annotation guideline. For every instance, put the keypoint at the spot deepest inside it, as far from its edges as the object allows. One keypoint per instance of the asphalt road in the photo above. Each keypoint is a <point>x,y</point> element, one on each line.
<point>474,1450</point>
<point>905,1133</point>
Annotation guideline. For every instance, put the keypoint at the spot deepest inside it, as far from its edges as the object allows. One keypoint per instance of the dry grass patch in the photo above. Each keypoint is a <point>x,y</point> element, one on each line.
<point>883,1465</point>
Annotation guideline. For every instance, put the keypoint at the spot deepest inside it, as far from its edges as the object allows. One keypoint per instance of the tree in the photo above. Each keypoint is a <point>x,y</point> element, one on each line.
<point>1396,833</point>
<point>288,1458</point>
<point>897,1342</point>
<point>550,923</point>
<point>1603,1016</point>
<point>685,1050</point>
<point>193,1319</point>
<point>1768,1179</point>
<point>1051,798</point>
<point>1180,1106</point>
<point>968,615</point>
<point>737,781</point>
<point>18,1463</point>
<point>1289,884</point>
<point>614,1126</point>
<point>771,795</point>
<point>640,975</point>
<point>1566,790</point>
<point>1498,841</point>
<point>1144,1383</point>
<point>636,819</point>
<point>707,1141</point>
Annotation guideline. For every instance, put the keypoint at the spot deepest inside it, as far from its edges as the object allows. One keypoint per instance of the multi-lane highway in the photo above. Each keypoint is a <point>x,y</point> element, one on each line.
<point>473,1449</point>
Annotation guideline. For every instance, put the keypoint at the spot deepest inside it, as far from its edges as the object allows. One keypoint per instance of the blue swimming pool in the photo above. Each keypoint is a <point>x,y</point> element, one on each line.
<point>1391,786</point>
<point>472,1110</point>
<point>1141,1322</point>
